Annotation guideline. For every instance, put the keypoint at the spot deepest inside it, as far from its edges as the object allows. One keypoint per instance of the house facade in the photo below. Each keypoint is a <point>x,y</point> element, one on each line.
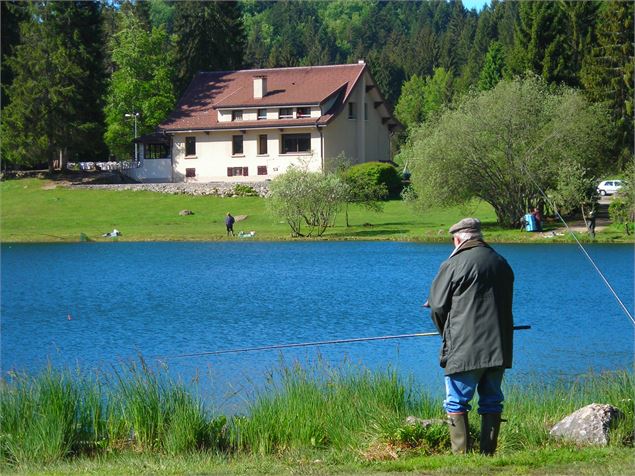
<point>252,125</point>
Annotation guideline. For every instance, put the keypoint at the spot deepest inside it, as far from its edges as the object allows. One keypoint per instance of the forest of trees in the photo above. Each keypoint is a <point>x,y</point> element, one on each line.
<point>71,71</point>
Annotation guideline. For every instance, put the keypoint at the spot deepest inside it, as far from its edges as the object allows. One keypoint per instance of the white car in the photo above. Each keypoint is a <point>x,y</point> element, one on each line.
<point>609,187</point>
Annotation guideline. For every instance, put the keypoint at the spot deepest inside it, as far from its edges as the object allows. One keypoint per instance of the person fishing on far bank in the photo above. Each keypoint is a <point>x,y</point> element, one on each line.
<point>471,305</point>
<point>229,224</point>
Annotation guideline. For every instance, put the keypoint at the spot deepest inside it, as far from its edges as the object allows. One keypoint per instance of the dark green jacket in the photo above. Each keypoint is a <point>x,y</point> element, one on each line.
<point>471,304</point>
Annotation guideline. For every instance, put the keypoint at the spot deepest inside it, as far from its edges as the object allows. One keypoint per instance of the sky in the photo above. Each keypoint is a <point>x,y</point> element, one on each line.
<point>477,4</point>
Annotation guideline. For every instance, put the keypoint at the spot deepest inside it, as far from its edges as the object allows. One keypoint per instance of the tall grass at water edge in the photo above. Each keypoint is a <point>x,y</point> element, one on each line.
<point>57,414</point>
<point>355,413</point>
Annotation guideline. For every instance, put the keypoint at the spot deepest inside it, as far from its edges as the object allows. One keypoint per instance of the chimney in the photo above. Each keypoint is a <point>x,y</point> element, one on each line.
<point>260,87</point>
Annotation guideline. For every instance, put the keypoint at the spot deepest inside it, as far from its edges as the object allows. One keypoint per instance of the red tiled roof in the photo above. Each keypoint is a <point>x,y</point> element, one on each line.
<point>304,86</point>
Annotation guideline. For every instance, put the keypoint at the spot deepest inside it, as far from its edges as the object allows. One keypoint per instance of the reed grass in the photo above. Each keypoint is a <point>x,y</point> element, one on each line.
<point>322,407</point>
<point>356,414</point>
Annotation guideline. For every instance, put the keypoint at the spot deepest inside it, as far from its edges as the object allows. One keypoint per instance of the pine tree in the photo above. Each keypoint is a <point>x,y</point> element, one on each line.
<point>209,37</point>
<point>55,104</point>
<point>607,73</point>
<point>12,14</point>
<point>543,43</point>
<point>485,34</point>
<point>453,50</point>
<point>493,68</point>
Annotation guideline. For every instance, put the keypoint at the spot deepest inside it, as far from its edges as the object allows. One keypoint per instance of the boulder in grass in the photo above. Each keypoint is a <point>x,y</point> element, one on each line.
<point>186,212</point>
<point>589,425</point>
<point>415,421</point>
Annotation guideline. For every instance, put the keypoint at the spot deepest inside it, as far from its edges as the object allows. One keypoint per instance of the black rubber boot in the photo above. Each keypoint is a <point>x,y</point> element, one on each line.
<point>459,432</point>
<point>490,426</point>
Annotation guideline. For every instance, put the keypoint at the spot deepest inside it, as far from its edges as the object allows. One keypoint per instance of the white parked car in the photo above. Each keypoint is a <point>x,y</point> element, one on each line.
<point>609,187</point>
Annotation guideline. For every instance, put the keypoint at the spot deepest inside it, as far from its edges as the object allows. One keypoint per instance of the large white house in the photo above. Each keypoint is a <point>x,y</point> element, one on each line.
<point>251,125</point>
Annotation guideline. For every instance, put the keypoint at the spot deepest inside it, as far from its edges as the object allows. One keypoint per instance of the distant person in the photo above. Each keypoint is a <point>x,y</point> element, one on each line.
<point>591,222</point>
<point>229,224</point>
<point>471,306</point>
<point>538,216</point>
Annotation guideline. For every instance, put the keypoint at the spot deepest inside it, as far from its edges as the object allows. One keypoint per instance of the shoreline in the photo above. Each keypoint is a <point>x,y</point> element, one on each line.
<point>41,210</point>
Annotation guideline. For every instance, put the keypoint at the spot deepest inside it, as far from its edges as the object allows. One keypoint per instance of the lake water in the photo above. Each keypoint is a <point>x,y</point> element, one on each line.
<point>180,298</point>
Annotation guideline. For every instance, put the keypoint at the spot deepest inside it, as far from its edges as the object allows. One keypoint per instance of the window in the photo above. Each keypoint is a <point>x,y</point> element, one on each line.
<point>262,114</point>
<point>285,113</point>
<point>237,115</point>
<point>156,151</point>
<point>237,171</point>
<point>262,144</point>
<point>262,170</point>
<point>189,173</point>
<point>190,146</point>
<point>293,143</point>
<point>237,145</point>
<point>351,110</point>
<point>304,112</point>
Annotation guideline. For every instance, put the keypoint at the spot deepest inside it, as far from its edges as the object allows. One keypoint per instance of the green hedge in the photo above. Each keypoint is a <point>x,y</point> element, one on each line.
<point>378,173</point>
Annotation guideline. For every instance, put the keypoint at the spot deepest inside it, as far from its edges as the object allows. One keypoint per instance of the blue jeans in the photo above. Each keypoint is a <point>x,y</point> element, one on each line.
<point>460,388</point>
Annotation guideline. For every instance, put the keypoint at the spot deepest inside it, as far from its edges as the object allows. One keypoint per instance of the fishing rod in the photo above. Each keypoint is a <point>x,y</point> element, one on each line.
<point>310,344</point>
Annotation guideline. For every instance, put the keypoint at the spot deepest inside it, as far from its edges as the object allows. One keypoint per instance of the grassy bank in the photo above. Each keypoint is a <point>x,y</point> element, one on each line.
<point>35,210</point>
<point>318,420</point>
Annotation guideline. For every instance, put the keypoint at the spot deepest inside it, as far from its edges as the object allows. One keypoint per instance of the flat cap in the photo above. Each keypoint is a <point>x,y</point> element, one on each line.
<point>466,225</point>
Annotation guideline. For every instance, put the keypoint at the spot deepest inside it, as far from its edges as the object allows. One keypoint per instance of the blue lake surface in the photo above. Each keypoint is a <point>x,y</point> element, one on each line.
<point>162,299</point>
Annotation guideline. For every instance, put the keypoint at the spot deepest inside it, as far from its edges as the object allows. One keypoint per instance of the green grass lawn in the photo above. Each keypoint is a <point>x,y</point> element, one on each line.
<point>566,461</point>
<point>33,210</point>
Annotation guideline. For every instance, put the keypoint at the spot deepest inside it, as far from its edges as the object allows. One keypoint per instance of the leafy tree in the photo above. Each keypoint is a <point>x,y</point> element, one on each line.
<point>622,207</point>
<point>141,83</point>
<point>438,91</point>
<point>162,14</point>
<point>502,145</point>
<point>493,68</point>
<point>422,97</point>
<point>411,107</point>
<point>306,200</point>
<point>607,73</point>
<point>574,189</point>
<point>55,108</point>
<point>365,187</point>
<point>343,20</point>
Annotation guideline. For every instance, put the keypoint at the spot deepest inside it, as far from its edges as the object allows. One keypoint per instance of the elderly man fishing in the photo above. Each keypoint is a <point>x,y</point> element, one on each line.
<point>471,306</point>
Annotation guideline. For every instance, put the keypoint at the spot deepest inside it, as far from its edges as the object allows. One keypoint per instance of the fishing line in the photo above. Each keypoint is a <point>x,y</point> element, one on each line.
<point>584,251</point>
<point>309,344</point>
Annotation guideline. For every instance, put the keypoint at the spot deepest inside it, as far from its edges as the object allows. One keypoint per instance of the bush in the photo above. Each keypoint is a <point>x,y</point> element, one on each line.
<point>309,199</point>
<point>245,190</point>
<point>377,173</point>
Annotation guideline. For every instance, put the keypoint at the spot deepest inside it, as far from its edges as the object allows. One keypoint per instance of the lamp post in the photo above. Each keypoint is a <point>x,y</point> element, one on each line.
<point>134,115</point>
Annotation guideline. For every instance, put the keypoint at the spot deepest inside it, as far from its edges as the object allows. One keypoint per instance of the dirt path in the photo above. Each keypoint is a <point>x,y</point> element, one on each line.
<point>601,222</point>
